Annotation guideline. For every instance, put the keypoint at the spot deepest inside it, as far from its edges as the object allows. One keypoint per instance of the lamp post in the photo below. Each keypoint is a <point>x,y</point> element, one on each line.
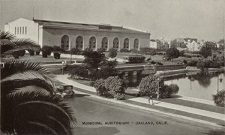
<point>63,67</point>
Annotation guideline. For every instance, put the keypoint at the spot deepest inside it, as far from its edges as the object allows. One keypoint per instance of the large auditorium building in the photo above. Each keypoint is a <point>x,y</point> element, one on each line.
<point>78,35</point>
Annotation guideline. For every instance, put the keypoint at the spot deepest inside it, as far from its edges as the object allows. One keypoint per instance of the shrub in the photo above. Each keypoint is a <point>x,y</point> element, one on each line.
<point>185,61</point>
<point>116,86</point>
<point>153,62</point>
<point>124,50</point>
<point>159,63</point>
<point>107,70</point>
<point>75,51</point>
<point>16,54</point>
<point>134,51</point>
<point>57,55</point>
<point>78,71</point>
<point>219,98</point>
<point>101,50</point>
<point>100,87</point>
<point>192,63</point>
<point>112,53</point>
<point>149,59</point>
<point>174,88</point>
<point>165,91</point>
<point>136,59</point>
<point>148,51</point>
<point>47,50</point>
<point>44,54</point>
<point>149,86</point>
<point>31,52</point>
<point>37,52</point>
<point>181,53</point>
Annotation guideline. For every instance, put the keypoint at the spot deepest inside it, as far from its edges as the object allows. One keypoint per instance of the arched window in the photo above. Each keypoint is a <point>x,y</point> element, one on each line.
<point>79,43</point>
<point>115,43</point>
<point>92,43</point>
<point>65,42</point>
<point>136,44</point>
<point>105,42</point>
<point>126,43</point>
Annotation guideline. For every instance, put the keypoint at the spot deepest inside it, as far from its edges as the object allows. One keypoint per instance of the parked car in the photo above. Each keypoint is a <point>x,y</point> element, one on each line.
<point>65,91</point>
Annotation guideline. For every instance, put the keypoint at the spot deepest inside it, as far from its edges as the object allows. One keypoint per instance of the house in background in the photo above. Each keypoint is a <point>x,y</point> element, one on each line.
<point>159,44</point>
<point>69,35</point>
<point>189,44</point>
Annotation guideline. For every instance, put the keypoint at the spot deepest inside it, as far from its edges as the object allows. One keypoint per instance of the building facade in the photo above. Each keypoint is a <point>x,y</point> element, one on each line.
<point>77,35</point>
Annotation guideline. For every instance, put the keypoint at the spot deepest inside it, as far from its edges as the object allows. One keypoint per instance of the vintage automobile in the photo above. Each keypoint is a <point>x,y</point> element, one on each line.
<point>65,91</point>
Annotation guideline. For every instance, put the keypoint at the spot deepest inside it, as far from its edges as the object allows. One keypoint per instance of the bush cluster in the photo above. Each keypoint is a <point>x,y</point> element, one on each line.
<point>78,71</point>
<point>166,91</point>
<point>136,59</point>
<point>150,84</point>
<point>75,51</point>
<point>112,53</point>
<point>206,63</point>
<point>46,50</point>
<point>101,50</point>
<point>124,50</point>
<point>219,98</point>
<point>147,51</point>
<point>113,86</point>
<point>17,54</point>
<point>156,63</point>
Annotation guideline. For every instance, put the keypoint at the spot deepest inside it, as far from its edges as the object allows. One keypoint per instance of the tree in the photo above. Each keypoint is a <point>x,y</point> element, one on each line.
<point>205,51</point>
<point>93,59</point>
<point>10,44</point>
<point>112,53</point>
<point>149,86</point>
<point>30,105</point>
<point>116,87</point>
<point>172,53</point>
<point>210,45</point>
<point>219,98</point>
<point>107,69</point>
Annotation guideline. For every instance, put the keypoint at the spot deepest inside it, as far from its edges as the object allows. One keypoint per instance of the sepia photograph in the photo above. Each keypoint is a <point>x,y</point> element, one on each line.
<point>112,67</point>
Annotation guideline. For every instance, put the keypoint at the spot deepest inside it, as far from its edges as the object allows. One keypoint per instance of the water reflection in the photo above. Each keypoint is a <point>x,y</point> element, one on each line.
<point>197,86</point>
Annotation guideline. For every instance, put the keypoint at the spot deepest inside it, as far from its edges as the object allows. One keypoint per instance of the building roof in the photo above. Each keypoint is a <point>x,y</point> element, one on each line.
<point>82,26</point>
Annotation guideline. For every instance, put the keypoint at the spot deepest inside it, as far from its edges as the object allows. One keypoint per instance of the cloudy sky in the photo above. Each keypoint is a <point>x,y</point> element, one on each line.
<point>202,19</point>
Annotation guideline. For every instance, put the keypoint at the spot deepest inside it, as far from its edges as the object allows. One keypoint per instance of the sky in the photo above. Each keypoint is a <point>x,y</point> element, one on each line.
<point>170,19</point>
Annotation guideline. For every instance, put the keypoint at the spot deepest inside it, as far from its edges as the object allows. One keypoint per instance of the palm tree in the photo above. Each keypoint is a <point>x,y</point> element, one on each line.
<point>28,103</point>
<point>10,44</point>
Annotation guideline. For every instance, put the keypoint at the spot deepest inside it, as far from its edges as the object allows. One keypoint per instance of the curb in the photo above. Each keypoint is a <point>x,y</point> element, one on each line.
<point>152,110</point>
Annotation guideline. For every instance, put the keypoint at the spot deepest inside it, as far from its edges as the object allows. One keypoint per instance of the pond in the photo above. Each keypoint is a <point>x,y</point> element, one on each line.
<point>195,86</point>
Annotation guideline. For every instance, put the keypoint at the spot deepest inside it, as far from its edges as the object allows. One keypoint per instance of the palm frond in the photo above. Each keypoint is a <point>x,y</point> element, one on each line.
<point>27,89</point>
<point>23,44</point>
<point>31,127</point>
<point>35,107</point>
<point>6,35</point>
<point>9,44</point>
<point>27,78</point>
<point>13,67</point>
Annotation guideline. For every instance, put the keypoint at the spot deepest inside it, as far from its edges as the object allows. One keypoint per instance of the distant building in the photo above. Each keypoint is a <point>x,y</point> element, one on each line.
<point>158,44</point>
<point>154,44</point>
<point>191,44</point>
<point>77,35</point>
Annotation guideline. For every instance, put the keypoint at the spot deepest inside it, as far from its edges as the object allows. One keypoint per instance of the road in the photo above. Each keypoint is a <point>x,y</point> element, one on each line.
<point>95,117</point>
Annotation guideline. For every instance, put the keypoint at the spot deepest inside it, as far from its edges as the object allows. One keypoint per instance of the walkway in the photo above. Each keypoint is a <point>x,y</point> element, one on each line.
<point>141,102</point>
